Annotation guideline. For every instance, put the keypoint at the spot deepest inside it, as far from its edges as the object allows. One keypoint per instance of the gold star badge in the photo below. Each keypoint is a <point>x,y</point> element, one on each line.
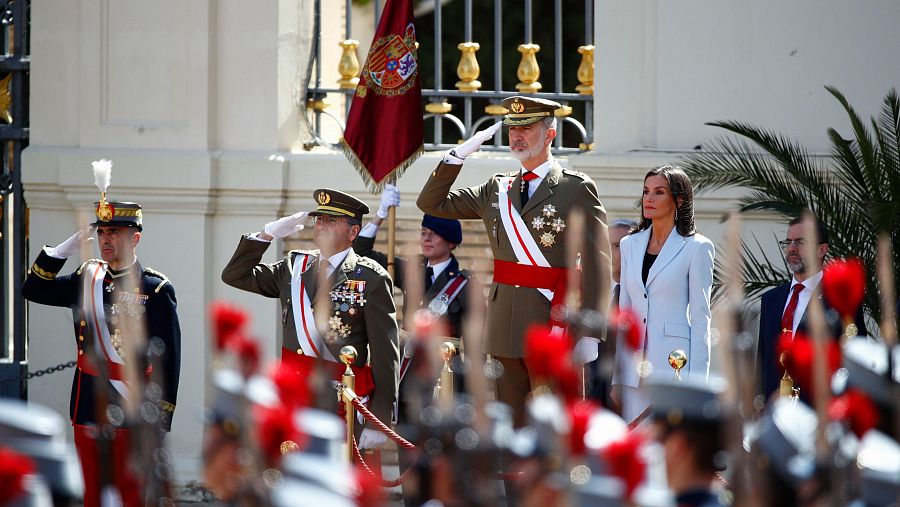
<point>547,239</point>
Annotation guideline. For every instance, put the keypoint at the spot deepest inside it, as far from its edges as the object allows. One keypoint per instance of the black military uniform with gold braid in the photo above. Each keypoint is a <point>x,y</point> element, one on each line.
<point>153,296</point>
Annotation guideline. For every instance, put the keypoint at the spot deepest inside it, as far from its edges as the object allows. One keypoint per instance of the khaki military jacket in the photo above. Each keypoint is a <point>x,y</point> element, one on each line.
<point>511,310</point>
<point>372,326</point>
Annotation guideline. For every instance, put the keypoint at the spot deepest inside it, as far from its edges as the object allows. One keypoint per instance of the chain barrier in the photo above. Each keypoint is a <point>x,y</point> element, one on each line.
<point>40,373</point>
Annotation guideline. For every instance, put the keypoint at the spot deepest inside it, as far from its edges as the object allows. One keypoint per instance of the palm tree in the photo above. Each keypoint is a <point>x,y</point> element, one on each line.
<point>855,191</point>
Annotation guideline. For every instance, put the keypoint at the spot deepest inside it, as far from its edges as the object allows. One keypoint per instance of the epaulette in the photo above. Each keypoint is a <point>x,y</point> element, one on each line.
<point>85,263</point>
<point>374,266</point>
<point>291,253</point>
<point>577,174</point>
<point>159,275</point>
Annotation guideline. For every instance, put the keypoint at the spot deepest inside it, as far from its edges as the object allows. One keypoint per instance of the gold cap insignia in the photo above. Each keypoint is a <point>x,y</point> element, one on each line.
<point>105,211</point>
<point>517,107</point>
<point>323,198</point>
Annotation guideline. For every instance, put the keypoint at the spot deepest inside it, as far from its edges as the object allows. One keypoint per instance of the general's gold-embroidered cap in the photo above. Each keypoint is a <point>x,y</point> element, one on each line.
<point>339,204</point>
<point>527,110</point>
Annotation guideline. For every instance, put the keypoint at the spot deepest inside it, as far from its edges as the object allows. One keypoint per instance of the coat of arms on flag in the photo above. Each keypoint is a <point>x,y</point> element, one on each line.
<point>391,66</point>
<point>385,127</point>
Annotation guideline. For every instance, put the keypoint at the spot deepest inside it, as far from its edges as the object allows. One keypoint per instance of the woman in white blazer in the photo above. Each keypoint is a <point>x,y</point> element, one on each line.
<point>667,274</point>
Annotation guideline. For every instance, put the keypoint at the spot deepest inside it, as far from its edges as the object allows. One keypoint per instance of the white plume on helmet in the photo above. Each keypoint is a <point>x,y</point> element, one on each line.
<point>102,173</point>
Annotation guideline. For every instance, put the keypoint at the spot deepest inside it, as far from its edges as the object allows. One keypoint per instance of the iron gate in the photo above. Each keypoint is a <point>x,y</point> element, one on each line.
<point>15,20</point>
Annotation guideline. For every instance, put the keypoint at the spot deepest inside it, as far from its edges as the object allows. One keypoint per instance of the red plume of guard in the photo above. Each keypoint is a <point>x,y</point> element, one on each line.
<point>549,356</point>
<point>625,461</point>
<point>856,409</point>
<point>579,415</point>
<point>13,469</point>
<point>228,320</point>
<point>799,355</point>
<point>844,285</point>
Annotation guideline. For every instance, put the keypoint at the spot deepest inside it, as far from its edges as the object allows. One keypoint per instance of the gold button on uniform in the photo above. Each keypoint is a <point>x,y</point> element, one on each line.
<point>80,338</point>
<point>83,323</point>
<point>80,352</point>
<point>299,352</point>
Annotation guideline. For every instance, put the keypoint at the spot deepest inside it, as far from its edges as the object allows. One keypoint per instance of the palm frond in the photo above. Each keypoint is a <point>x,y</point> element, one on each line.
<point>855,192</point>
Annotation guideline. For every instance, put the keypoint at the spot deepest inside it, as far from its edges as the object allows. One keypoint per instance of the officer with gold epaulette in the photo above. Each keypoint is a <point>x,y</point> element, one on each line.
<point>360,304</point>
<point>527,215</point>
<point>105,295</point>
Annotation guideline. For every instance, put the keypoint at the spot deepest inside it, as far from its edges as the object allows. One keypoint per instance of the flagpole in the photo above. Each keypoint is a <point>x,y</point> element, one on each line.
<point>392,232</point>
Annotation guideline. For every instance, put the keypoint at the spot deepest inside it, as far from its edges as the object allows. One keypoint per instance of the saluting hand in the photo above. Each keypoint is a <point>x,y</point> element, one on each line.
<point>286,226</point>
<point>72,245</point>
<point>472,144</point>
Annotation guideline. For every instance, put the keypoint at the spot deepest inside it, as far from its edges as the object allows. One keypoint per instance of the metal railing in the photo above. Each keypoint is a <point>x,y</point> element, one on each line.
<point>468,91</point>
<point>14,64</point>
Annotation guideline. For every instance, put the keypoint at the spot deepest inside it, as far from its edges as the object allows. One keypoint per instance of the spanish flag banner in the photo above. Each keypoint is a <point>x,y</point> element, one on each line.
<point>385,131</point>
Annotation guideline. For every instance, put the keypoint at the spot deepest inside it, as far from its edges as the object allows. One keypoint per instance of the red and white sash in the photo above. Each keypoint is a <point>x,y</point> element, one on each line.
<point>304,319</point>
<point>95,318</point>
<point>444,297</point>
<point>523,244</point>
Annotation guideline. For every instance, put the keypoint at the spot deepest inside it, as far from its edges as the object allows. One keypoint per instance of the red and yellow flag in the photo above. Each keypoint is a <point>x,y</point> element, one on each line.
<point>385,132</point>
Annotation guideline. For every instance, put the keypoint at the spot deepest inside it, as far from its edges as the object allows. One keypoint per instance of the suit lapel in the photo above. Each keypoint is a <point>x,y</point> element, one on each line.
<point>515,197</point>
<point>308,277</point>
<point>673,245</point>
<point>639,242</point>
<point>545,190</point>
<point>340,274</point>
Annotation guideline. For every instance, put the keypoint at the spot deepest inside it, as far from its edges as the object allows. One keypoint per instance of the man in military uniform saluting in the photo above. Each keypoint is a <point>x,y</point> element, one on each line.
<point>101,302</point>
<point>525,214</point>
<point>361,307</point>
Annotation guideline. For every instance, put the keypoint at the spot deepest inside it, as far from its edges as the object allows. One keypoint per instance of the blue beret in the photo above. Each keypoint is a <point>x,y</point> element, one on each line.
<point>449,229</point>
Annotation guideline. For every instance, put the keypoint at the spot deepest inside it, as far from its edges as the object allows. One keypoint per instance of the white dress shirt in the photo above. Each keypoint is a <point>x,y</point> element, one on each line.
<point>438,268</point>
<point>809,287</point>
<point>336,260</point>
<point>541,171</point>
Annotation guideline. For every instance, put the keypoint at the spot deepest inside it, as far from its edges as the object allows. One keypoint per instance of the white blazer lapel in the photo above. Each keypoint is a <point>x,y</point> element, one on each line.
<point>673,245</point>
<point>639,241</point>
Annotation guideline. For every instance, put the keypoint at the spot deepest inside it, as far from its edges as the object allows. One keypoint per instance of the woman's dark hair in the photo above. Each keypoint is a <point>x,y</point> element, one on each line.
<point>681,189</point>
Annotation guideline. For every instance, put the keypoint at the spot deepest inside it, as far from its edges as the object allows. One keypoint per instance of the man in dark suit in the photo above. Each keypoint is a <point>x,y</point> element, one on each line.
<point>784,308</point>
<point>114,300</point>
<point>358,307</point>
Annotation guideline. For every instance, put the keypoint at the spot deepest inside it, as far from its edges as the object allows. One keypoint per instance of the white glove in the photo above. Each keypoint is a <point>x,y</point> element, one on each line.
<point>286,226</point>
<point>371,439</point>
<point>472,144</point>
<point>586,350</point>
<point>72,245</point>
<point>390,198</point>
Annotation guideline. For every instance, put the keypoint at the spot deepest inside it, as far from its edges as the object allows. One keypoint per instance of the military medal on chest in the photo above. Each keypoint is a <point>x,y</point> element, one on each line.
<point>347,300</point>
<point>547,225</point>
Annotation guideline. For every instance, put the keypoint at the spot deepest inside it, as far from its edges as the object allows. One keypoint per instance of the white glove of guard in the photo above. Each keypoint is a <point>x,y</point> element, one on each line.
<point>286,226</point>
<point>390,198</point>
<point>586,350</point>
<point>72,245</point>
<point>472,144</point>
<point>371,439</point>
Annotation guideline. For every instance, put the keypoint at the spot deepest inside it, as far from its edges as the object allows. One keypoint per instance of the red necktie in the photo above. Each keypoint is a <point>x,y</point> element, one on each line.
<point>526,177</point>
<point>787,320</point>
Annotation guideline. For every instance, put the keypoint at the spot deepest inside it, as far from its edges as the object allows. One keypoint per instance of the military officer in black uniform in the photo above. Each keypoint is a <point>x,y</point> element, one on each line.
<point>101,302</point>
